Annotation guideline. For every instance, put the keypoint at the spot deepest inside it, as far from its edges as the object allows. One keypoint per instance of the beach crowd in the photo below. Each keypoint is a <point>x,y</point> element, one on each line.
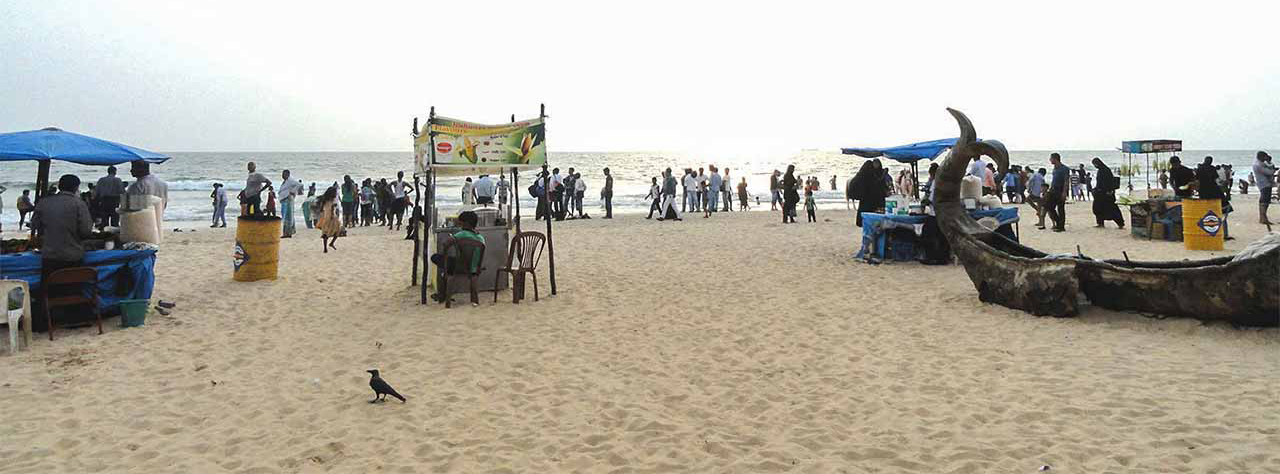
<point>706,190</point>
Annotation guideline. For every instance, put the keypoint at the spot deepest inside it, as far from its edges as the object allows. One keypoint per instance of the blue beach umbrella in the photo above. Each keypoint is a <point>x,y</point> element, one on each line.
<point>909,154</point>
<point>49,144</point>
<point>55,144</point>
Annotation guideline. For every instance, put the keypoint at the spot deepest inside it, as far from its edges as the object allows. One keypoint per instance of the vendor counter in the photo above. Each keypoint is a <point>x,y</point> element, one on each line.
<point>497,240</point>
<point>122,275</point>
<point>879,239</point>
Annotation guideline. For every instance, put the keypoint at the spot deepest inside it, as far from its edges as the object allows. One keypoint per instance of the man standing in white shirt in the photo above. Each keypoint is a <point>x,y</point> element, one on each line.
<point>977,169</point>
<point>400,199</point>
<point>579,191</point>
<point>555,195</point>
<point>485,190</point>
<point>691,191</point>
<point>288,189</point>
<point>147,183</point>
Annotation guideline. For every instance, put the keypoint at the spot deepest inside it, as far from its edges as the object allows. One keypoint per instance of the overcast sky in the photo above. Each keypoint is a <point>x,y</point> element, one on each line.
<point>682,76</point>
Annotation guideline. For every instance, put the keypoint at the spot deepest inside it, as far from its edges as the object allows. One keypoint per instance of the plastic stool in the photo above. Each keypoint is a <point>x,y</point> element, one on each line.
<point>17,316</point>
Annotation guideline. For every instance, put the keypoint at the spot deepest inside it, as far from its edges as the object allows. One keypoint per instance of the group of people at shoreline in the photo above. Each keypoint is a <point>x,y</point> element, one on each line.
<point>338,207</point>
<point>102,198</point>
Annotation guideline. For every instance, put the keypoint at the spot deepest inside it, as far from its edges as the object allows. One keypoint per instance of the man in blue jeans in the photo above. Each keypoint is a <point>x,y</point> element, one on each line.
<point>1056,199</point>
<point>713,192</point>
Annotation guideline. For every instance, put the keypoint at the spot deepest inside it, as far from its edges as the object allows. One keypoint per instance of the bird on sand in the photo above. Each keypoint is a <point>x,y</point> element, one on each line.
<point>381,388</point>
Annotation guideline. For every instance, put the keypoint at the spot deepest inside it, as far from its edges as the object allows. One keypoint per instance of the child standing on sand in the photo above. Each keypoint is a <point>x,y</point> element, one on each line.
<point>810,206</point>
<point>271,202</point>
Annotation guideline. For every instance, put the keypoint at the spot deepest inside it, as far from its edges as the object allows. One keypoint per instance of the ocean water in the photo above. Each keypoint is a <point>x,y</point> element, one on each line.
<point>191,175</point>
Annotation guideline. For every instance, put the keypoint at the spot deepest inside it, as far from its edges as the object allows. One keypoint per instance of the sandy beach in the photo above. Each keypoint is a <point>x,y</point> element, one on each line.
<point>730,344</point>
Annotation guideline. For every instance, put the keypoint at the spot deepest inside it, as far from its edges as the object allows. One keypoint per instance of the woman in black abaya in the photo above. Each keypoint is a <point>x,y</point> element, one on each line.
<point>869,188</point>
<point>789,196</point>
<point>1104,196</point>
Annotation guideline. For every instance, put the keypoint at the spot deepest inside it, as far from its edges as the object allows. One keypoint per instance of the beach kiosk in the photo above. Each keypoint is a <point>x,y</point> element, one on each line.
<point>122,275</point>
<point>447,147</point>
<point>1155,215</point>
<point>1146,148</point>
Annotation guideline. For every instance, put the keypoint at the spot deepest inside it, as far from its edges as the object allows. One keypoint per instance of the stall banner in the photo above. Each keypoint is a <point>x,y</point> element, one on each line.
<point>460,144</point>
<point>1151,146</point>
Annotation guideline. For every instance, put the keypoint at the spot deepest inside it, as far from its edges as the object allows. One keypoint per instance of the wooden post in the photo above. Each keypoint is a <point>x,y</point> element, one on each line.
<point>42,179</point>
<point>417,241</point>
<point>428,208</point>
<point>515,195</point>
<point>915,179</point>
<point>515,191</point>
<point>42,184</point>
<point>551,249</point>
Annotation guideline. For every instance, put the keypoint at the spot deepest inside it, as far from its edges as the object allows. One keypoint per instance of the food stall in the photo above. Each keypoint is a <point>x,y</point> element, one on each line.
<point>1153,213</point>
<point>122,273</point>
<point>1146,148</point>
<point>903,232</point>
<point>450,147</point>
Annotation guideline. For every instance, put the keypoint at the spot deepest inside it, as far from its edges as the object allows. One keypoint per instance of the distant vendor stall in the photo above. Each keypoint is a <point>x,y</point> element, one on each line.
<point>1153,213</point>
<point>905,237</point>
<point>121,274</point>
<point>449,147</point>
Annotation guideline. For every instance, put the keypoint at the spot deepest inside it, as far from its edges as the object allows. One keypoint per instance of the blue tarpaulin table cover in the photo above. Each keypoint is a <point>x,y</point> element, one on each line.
<point>122,274</point>
<point>875,227</point>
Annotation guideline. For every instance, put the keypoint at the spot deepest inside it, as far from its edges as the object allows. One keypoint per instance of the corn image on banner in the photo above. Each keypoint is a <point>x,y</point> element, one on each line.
<point>454,146</point>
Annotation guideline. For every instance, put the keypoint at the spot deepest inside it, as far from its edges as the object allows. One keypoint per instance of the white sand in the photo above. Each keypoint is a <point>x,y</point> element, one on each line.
<point>731,344</point>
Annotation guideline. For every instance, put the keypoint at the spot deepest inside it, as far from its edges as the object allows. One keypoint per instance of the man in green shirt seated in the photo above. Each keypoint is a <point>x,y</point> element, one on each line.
<point>468,221</point>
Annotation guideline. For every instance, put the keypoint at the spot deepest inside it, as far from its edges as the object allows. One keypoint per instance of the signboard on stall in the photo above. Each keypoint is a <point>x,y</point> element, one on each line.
<point>1151,146</point>
<point>451,146</point>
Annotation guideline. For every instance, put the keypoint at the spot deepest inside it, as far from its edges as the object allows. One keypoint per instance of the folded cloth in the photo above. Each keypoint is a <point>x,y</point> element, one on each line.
<point>1259,247</point>
<point>140,246</point>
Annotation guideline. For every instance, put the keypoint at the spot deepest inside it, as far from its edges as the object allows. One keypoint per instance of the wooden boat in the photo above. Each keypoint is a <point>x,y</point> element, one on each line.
<point>1244,292</point>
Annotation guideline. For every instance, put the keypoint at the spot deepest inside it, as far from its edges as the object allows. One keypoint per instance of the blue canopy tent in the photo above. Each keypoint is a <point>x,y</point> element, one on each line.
<point>53,144</point>
<point>909,154</point>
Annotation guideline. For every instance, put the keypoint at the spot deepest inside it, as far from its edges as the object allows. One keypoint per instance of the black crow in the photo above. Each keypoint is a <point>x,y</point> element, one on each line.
<point>381,388</point>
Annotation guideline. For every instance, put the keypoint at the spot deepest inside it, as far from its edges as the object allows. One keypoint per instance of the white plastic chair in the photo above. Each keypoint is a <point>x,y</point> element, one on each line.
<point>17,316</point>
